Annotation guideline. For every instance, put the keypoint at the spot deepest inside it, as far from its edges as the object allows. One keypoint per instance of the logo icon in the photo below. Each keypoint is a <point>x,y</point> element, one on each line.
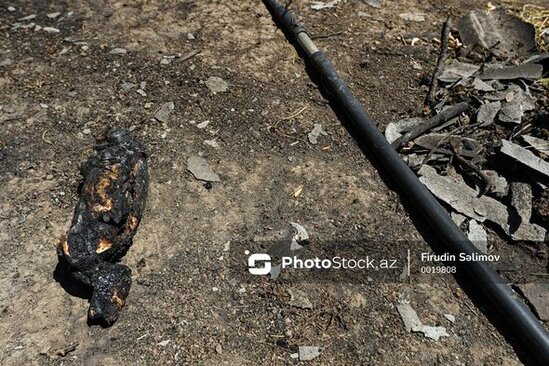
<point>259,258</point>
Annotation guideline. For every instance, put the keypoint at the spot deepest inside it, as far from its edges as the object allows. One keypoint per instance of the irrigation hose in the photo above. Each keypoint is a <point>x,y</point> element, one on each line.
<point>513,311</point>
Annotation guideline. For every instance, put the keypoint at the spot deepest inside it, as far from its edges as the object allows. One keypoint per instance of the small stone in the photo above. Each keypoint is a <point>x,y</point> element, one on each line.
<point>128,86</point>
<point>53,15</point>
<point>315,133</point>
<point>44,105</point>
<point>478,236</point>
<point>148,105</point>
<point>11,8</point>
<point>165,61</point>
<point>299,299</point>
<point>307,353</point>
<point>51,30</point>
<point>190,36</point>
<point>141,92</point>
<point>118,51</point>
<point>373,3</point>
<point>212,143</point>
<point>217,85</point>
<point>163,113</point>
<point>86,131</point>
<point>204,124</point>
<point>199,168</point>
<point>28,17</point>
<point>164,343</point>
<point>413,17</point>
<point>450,317</point>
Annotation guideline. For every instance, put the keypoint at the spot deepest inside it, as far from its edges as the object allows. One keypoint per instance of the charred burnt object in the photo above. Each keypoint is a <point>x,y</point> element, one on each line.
<point>109,210</point>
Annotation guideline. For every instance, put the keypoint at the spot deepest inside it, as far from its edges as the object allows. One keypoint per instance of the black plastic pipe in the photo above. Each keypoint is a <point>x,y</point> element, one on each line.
<point>515,313</point>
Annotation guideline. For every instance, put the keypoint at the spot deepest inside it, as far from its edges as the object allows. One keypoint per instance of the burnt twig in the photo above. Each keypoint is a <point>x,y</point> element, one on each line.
<point>432,122</point>
<point>488,183</point>
<point>446,139</point>
<point>445,34</point>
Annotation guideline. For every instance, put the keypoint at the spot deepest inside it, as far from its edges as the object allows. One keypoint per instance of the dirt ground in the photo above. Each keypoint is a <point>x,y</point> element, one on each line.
<point>60,88</point>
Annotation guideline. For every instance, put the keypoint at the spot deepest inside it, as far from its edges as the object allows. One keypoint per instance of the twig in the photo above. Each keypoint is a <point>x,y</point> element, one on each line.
<point>445,139</point>
<point>293,115</point>
<point>437,120</point>
<point>327,35</point>
<point>44,138</point>
<point>189,55</point>
<point>443,53</point>
<point>489,184</point>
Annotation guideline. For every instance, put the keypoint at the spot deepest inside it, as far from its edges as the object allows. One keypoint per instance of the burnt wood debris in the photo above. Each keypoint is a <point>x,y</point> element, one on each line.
<point>109,210</point>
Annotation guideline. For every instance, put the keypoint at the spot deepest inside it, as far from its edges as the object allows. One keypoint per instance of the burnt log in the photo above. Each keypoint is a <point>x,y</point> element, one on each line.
<point>110,207</point>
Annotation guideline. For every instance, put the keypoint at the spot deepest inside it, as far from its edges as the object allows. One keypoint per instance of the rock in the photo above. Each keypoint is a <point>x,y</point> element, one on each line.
<point>477,235</point>
<point>458,218</point>
<point>202,125</point>
<point>11,9</point>
<point>315,133</point>
<point>190,36</point>
<point>212,143</point>
<point>164,343</point>
<point>299,299</point>
<point>395,130</point>
<point>301,234</point>
<point>464,199</point>
<point>200,169</point>
<point>164,112</point>
<point>523,71</point>
<point>450,317</point>
<point>540,145</point>
<point>141,92</point>
<point>118,51</point>
<point>525,157</point>
<point>478,84</point>
<point>456,71</point>
<point>217,85</point>
<point>319,5</point>
<point>373,3</point>
<point>504,35</point>
<point>308,353</point>
<point>499,184</point>
<point>128,86</point>
<point>51,30</point>
<point>413,17</point>
<point>487,113</point>
<point>521,200</point>
<point>275,271</point>
<point>517,102</point>
<point>53,15</point>
<point>28,17</point>
<point>538,296</point>
<point>412,323</point>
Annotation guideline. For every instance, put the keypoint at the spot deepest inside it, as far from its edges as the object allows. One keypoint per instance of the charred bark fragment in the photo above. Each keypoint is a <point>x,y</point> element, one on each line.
<point>105,220</point>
